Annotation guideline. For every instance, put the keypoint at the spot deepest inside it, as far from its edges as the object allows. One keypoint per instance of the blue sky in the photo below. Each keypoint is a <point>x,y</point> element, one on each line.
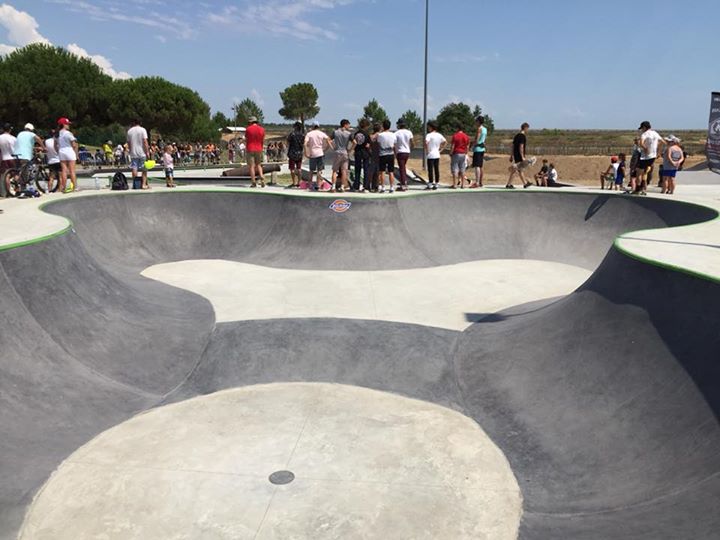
<point>554,64</point>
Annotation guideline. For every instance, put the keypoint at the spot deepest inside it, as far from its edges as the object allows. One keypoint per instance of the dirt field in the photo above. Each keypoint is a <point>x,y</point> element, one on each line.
<point>579,170</point>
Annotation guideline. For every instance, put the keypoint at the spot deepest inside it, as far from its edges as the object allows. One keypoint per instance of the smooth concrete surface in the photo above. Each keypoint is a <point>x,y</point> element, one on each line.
<point>604,402</point>
<point>442,296</point>
<point>367,464</point>
<point>696,251</point>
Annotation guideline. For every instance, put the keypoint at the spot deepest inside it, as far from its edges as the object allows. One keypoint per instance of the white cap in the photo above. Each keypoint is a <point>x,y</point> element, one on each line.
<point>29,127</point>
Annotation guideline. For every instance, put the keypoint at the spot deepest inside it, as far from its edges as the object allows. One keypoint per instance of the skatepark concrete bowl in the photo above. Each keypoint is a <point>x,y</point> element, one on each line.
<point>599,405</point>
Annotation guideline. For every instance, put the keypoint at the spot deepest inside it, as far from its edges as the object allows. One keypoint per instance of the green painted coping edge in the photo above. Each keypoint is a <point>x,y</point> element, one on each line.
<point>39,239</point>
<point>616,242</point>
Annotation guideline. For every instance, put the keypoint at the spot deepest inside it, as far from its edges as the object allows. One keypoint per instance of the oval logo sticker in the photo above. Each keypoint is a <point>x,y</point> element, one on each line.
<point>340,206</point>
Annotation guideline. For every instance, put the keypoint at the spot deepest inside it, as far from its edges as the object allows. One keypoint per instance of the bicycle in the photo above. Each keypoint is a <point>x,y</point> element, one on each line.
<point>17,179</point>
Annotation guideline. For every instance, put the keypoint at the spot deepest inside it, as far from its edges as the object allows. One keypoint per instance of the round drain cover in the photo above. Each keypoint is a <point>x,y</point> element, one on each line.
<point>281,477</point>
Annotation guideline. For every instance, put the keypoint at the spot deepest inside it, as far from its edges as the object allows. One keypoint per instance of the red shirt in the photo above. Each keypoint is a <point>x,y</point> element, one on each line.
<point>254,137</point>
<point>460,142</point>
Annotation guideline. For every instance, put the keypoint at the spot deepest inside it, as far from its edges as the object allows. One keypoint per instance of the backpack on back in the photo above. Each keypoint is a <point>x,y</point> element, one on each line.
<point>119,182</point>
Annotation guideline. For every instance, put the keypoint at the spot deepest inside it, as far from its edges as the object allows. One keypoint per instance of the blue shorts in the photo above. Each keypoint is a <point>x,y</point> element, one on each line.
<point>169,172</point>
<point>619,180</point>
<point>670,173</point>
<point>137,164</point>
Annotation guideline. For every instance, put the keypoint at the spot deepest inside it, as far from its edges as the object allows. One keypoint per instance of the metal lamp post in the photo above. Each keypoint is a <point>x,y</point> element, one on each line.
<point>425,91</point>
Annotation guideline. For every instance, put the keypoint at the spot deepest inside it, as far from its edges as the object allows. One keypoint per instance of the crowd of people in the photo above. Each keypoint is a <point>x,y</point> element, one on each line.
<point>375,149</point>
<point>647,149</point>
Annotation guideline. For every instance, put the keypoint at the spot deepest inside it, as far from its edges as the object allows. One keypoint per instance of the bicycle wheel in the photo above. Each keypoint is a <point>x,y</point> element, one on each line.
<point>11,182</point>
<point>44,182</point>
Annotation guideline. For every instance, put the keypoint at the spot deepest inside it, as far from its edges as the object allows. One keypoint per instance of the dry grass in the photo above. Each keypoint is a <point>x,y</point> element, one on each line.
<point>579,170</point>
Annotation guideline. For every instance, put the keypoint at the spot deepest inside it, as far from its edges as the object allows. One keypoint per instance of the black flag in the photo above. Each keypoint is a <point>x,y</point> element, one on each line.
<point>713,142</point>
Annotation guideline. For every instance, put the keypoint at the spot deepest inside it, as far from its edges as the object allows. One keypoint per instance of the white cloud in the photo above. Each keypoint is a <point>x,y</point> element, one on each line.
<point>146,16</point>
<point>463,58</point>
<point>102,62</point>
<point>416,100</point>
<point>22,27</point>
<point>23,30</point>
<point>280,18</point>
<point>257,97</point>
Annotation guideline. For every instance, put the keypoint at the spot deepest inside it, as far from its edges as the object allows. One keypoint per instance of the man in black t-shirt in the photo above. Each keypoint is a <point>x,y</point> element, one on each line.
<point>295,149</point>
<point>361,146</point>
<point>518,161</point>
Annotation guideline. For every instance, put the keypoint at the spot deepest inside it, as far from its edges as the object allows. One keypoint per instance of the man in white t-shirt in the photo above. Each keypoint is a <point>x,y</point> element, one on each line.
<point>386,140</point>
<point>434,144</point>
<point>650,144</point>
<point>403,146</point>
<point>137,139</point>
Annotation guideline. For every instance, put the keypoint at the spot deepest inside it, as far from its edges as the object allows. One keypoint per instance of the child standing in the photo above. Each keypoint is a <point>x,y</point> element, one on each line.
<point>620,172</point>
<point>607,179</point>
<point>169,166</point>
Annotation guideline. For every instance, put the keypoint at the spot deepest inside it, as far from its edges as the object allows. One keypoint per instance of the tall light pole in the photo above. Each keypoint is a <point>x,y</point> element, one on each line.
<point>425,91</point>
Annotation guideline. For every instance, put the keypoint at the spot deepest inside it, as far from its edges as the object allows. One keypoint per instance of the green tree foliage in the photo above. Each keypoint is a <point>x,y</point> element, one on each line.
<point>245,109</point>
<point>489,124</point>
<point>299,102</point>
<point>413,121</point>
<point>41,83</point>
<point>163,106</point>
<point>374,112</point>
<point>456,115</point>
<point>219,120</point>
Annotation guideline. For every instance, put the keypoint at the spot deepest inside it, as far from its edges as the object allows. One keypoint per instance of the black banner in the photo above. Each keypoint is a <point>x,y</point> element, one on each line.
<point>713,142</point>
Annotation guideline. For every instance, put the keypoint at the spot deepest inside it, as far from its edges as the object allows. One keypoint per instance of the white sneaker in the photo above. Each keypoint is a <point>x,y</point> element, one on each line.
<point>382,189</point>
<point>392,190</point>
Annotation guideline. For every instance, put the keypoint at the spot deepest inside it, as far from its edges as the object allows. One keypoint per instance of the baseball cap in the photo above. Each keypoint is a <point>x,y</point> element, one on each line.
<point>645,125</point>
<point>29,127</point>
<point>62,121</point>
<point>316,124</point>
<point>252,119</point>
<point>672,138</point>
<point>614,159</point>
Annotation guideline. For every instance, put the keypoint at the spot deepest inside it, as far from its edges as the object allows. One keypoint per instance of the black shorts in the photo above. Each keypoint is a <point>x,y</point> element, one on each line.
<point>478,159</point>
<point>54,167</point>
<point>644,165</point>
<point>387,163</point>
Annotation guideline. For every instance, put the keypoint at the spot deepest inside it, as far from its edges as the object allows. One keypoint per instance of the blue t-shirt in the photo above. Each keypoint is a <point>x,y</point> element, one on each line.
<point>24,145</point>
<point>480,146</point>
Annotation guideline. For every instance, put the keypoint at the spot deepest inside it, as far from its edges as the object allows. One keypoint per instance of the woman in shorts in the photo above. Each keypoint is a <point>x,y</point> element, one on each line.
<point>673,158</point>
<point>67,147</point>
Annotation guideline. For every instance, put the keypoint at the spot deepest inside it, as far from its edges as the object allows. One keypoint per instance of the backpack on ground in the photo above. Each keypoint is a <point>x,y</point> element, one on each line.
<point>119,182</point>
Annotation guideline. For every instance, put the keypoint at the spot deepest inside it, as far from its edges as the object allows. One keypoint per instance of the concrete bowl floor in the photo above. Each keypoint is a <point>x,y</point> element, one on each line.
<point>444,365</point>
<point>367,464</point>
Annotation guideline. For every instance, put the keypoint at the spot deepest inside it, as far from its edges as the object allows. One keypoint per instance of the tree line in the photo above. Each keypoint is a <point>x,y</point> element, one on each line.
<point>300,103</point>
<point>42,82</point>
